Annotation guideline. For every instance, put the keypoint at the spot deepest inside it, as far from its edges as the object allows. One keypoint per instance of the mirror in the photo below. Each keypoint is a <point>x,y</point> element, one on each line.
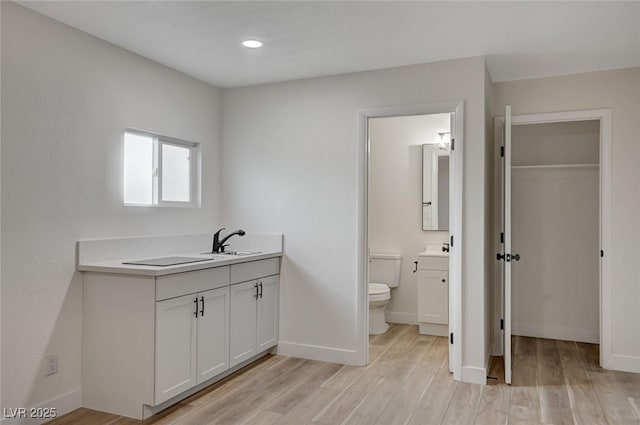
<point>435,186</point>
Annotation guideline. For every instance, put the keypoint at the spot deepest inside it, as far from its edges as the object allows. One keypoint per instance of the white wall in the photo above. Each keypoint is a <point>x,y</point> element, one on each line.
<point>1,209</point>
<point>291,165</point>
<point>395,199</point>
<point>489,233</point>
<point>66,98</point>
<point>620,91</point>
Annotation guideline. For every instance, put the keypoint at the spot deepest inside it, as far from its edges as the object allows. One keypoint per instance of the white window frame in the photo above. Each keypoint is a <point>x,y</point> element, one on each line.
<point>194,170</point>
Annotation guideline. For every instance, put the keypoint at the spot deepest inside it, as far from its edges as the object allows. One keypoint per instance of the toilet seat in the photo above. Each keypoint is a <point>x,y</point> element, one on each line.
<point>379,292</point>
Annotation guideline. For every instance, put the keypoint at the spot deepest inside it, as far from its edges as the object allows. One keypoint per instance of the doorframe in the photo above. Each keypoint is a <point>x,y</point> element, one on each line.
<point>605,288</point>
<point>455,256</point>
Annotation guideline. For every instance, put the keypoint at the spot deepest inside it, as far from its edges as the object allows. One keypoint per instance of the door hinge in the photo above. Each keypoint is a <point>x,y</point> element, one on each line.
<point>501,237</point>
<point>601,253</point>
<point>453,143</point>
<point>501,324</point>
<point>451,337</point>
<point>451,244</point>
<point>501,150</point>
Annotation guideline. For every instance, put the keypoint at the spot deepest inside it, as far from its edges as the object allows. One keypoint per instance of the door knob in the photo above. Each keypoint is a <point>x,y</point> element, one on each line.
<point>516,257</point>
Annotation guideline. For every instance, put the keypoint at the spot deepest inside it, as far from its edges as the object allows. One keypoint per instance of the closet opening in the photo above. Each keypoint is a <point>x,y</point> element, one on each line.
<point>556,230</point>
<point>553,221</point>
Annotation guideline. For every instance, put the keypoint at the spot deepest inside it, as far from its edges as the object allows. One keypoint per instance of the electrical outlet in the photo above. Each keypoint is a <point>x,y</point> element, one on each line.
<point>51,365</point>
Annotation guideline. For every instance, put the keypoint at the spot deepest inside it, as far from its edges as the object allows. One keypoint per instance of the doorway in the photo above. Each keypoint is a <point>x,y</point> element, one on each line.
<point>455,110</point>
<point>554,228</point>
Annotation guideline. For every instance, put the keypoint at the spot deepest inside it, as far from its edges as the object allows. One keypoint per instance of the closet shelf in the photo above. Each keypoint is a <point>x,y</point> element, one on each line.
<point>555,166</point>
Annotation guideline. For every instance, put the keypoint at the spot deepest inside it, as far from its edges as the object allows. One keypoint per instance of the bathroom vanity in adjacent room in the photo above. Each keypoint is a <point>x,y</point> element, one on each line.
<point>433,292</point>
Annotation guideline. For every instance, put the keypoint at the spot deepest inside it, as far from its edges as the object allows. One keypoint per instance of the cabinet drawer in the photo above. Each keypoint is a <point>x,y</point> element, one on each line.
<point>433,263</point>
<point>179,284</point>
<point>254,269</point>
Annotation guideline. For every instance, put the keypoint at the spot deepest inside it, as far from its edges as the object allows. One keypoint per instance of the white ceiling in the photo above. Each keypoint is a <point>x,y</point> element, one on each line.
<point>308,39</point>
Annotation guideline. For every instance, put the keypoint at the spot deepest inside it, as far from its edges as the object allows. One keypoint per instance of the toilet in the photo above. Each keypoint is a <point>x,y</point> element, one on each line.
<point>384,273</point>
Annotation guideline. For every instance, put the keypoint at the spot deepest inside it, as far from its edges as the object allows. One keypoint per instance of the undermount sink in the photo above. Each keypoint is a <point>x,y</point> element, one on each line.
<point>433,251</point>
<point>164,261</point>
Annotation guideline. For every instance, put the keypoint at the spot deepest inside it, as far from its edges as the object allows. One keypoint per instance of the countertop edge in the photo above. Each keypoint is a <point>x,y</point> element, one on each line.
<point>115,267</point>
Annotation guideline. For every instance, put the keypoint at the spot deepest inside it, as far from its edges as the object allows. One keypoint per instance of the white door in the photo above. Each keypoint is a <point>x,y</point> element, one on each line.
<point>213,333</point>
<point>506,259</point>
<point>267,320</point>
<point>452,208</point>
<point>175,346</point>
<point>242,340</point>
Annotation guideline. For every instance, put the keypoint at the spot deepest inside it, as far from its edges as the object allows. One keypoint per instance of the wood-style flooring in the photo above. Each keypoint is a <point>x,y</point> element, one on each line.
<point>408,382</point>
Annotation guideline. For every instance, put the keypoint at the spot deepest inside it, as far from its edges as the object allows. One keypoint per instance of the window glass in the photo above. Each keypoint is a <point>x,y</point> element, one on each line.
<point>138,169</point>
<point>176,173</point>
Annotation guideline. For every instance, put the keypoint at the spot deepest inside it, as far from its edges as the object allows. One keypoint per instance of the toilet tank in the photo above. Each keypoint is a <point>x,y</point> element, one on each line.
<point>384,268</point>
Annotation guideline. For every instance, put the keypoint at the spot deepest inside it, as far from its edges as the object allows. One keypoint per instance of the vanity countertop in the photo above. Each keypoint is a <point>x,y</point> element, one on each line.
<point>432,252</point>
<point>117,266</point>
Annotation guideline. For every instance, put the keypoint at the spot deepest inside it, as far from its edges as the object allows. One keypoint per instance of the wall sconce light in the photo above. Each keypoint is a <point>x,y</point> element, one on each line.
<point>442,143</point>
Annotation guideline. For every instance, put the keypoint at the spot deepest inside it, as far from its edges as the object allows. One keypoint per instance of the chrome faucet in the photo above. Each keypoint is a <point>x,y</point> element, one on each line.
<point>218,245</point>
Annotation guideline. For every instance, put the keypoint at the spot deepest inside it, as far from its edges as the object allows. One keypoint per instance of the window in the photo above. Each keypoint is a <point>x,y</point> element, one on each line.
<point>159,171</point>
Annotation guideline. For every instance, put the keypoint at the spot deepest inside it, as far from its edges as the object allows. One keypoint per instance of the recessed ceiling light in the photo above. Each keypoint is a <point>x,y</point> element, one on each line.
<point>252,44</point>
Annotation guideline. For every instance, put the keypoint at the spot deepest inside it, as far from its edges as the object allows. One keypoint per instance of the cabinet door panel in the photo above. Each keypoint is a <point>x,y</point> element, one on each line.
<point>433,296</point>
<point>267,321</point>
<point>213,333</point>
<point>242,341</point>
<point>175,347</point>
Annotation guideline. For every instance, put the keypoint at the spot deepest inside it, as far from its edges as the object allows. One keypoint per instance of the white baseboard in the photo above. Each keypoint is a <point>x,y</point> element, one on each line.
<point>62,404</point>
<point>316,352</point>
<point>557,332</point>
<point>474,375</point>
<point>487,366</point>
<point>622,363</point>
<point>433,329</point>
<point>401,317</point>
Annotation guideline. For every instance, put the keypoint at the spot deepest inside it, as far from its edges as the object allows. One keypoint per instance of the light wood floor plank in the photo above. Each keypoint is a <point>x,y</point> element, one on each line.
<point>614,402</point>
<point>582,396</point>
<point>406,399</point>
<point>304,412</point>
<point>524,403</point>
<point>555,407</point>
<point>495,398</point>
<point>463,408</point>
<point>301,390</point>
<point>262,418</point>
<point>433,406</point>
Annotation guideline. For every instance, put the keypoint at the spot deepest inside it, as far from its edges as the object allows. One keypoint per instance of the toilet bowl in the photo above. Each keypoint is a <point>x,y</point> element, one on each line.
<point>379,296</point>
<point>384,273</point>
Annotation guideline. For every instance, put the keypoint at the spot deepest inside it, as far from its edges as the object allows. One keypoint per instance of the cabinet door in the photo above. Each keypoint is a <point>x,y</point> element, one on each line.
<point>242,340</point>
<point>433,296</point>
<point>213,333</point>
<point>175,347</point>
<point>267,321</point>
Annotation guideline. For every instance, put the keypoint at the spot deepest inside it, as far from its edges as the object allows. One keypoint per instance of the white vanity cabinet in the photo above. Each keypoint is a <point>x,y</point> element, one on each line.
<point>192,330</point>
<point>192,341</point>
<point>433,294</point>
<point>254,308</point>
<point>149,341</point>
